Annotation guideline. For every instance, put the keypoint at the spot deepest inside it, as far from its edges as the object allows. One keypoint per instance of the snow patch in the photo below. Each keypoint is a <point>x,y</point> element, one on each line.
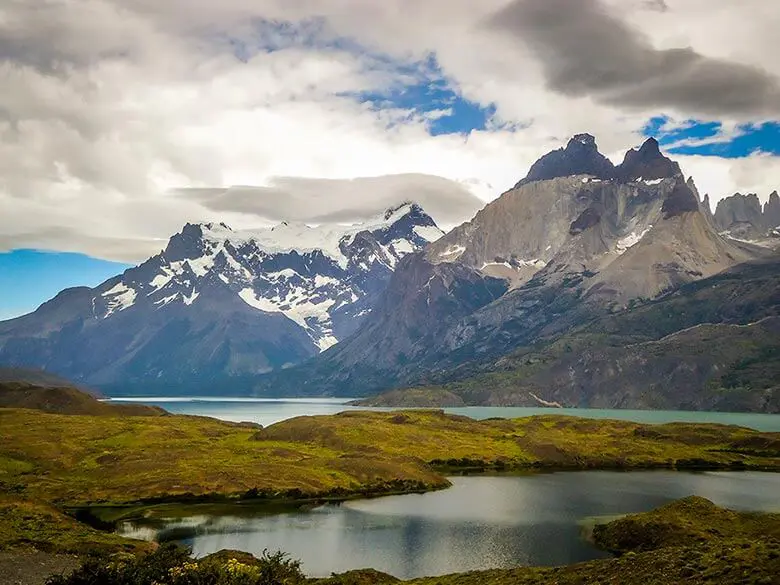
<point>650,181</point>
<point>453,252</point>
<point>164,301</point>
<point>161,280</point>
<point>201,266</point>
<point>294,306</point>
<point>630,240</point>
<point>302,238</point>
<point>321,281</point>
<point>190,299</point>
<point>428,233</point>
<point>326,342</point>
<point>402,247</point>
<point>122,297</point>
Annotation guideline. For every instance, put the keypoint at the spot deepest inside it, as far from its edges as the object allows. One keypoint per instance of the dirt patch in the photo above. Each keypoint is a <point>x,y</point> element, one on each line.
<point>33,567</point>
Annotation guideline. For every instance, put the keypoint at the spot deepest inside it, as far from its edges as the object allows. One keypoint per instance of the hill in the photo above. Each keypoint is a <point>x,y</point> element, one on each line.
<point>66,400</point>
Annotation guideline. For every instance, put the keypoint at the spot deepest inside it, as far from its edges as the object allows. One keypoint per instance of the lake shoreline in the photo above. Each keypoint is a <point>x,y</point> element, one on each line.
<point>53,463</point>
<point>267,411</point>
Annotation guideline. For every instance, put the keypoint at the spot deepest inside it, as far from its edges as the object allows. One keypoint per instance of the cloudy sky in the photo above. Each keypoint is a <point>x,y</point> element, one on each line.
<point>120,120</point>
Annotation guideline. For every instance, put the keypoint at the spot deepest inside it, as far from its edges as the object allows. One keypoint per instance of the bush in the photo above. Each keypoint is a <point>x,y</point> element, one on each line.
<point>172,565</point>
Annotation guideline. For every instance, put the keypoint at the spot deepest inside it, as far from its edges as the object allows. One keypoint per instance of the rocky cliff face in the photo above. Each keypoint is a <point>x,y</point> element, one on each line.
<point>575,239</point>
<point>772,213</point>
<point>218,305</point>
<point>742,217</point>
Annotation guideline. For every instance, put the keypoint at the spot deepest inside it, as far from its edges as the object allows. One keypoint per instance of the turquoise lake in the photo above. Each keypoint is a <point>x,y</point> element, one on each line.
<point>269,411</point>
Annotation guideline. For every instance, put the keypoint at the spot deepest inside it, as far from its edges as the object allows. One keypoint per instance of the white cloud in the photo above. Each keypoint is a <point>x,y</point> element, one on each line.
<point>110,107</point>
<point>758,173</point>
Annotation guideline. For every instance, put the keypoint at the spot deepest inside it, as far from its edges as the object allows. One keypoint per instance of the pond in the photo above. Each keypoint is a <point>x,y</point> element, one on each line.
<point>481,522</point>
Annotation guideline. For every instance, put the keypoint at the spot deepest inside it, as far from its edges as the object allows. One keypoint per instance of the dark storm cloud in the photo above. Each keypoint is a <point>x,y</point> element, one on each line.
<point>585,50</point>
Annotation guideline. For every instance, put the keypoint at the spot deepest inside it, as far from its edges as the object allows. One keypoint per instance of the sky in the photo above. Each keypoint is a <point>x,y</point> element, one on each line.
<point>121,120</point>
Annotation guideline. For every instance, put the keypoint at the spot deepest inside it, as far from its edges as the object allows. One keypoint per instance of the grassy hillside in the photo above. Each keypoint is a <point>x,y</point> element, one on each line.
<point>35,377</point>
<point>74,460</point>
<point>66,400</point>
<point>27,524</point>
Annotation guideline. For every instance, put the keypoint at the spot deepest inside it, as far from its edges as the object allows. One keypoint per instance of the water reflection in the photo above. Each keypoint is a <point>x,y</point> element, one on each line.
<point>481,522</point>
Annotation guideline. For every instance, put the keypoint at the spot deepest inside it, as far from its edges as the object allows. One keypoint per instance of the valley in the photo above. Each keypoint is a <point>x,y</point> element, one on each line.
<point>352,292</point>
<point>57,470</point>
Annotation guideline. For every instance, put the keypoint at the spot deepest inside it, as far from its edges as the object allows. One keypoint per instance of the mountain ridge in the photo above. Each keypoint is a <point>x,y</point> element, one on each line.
<point>218,305</point>
<point>570,249</point>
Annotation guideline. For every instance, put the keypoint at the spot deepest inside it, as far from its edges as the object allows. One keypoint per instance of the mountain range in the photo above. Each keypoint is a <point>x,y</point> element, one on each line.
<point>577,242</point>
<point>218,307</point>
<point>586,284</point>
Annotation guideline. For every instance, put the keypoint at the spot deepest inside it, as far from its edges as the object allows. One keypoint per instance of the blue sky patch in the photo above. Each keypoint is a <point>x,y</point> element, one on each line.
<point>706,138</point>
<point>29,277</point>
<point>421,87</point>
<point>434,97</point>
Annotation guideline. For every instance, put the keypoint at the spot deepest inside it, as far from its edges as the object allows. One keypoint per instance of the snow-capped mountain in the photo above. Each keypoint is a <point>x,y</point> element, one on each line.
<point>577,238</point>
<point>322,278</point>
<point>218,302</point>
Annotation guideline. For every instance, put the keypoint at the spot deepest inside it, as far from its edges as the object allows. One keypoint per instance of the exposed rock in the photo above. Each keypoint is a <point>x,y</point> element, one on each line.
<point>647,164</point>
<point>587,219</point>
<point>570,248</point>
<point>741,217</point>
<point>772,211</point>
<point>681,200</point>
<point>580,157</point>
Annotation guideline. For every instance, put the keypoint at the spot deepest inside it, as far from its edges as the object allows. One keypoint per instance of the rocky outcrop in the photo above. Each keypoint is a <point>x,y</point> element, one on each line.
<point>647,164</point>
<point>580,157</point>
<point>772,211</point>
<point>742,217</point>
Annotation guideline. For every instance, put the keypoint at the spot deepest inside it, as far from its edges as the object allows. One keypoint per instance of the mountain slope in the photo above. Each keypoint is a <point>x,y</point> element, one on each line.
<point>711,345</point>
<point>217,307</point>
<point>566,248</point>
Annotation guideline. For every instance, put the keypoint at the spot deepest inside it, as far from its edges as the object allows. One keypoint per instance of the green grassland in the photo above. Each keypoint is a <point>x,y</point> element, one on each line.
<point>25,524</point>
<point>85,460</point>
<point>122,465</point>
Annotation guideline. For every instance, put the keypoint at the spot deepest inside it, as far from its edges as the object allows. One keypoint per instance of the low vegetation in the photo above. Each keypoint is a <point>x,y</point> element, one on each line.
<point>88,460</point>
<point>33,525</point>
<point>66,400</point>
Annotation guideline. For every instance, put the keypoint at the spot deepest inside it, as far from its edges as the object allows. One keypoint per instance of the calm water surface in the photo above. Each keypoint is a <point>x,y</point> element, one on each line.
<point>479,523</point>
<point>269,411</point>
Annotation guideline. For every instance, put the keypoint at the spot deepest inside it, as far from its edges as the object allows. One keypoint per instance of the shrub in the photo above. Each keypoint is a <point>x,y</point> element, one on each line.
<point>172,565</point>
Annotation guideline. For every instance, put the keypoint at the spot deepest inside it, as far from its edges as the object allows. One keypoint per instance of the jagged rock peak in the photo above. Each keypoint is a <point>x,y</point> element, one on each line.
<point>738,208</point>
<point>580,157</point>
<point>772,210</point>
<point>647,163</point>
<point>682,199</point>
